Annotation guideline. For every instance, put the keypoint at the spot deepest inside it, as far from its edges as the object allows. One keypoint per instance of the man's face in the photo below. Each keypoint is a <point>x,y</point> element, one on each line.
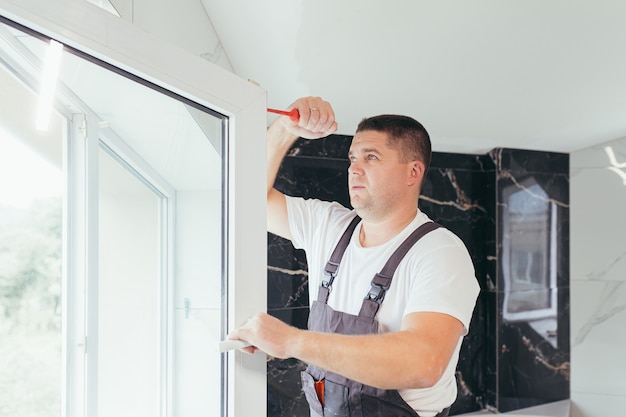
<point>377,179</point>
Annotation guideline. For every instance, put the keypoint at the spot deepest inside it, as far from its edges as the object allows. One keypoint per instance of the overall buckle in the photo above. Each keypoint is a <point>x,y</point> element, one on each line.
<point>379,286</point>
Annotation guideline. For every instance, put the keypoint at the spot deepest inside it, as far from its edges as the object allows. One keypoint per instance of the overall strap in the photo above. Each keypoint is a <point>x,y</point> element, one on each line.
<point>335,259</point>
<point>382,280</point>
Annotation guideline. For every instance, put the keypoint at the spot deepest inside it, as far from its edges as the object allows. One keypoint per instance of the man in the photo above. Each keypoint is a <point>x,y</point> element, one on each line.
<point>384,337</point>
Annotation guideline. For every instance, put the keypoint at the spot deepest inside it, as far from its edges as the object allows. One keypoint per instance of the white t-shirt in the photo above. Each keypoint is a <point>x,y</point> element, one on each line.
<point>436,275</point>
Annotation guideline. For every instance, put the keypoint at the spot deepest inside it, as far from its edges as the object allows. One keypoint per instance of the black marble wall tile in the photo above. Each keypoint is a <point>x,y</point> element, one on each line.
<point>532,371</point>
<point>464,194</point>
<point>491,318</point>
<point>533,357</point>
<point>463,200</point>
<point>474,362</point>
<point>533,277</point>
<point>284,390</point>
<point>287,276</point>
<point>459,193</point>
<point>563,330</point>
<point>332,147</point>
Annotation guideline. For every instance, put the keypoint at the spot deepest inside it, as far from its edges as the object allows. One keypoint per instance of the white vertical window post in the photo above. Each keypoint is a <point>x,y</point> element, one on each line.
<point>247,249</point>
<point>75,255</point>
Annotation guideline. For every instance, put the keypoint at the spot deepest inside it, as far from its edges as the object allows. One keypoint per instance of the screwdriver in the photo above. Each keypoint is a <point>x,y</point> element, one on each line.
<point>293,114</point>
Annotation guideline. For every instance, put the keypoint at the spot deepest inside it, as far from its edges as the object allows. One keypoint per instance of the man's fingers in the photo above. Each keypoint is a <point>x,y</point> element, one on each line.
<point>317,118</point>
<point>226,345</point>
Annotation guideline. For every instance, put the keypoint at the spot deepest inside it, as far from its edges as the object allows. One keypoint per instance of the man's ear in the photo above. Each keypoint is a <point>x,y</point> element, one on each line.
<point>416,173</point>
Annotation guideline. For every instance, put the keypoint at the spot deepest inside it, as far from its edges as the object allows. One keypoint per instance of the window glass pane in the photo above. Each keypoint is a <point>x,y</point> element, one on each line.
<point>160,232</point>
<point>158,219</point>
<point>128,289</point>
<point>31,188</point>
<point>161,245</point>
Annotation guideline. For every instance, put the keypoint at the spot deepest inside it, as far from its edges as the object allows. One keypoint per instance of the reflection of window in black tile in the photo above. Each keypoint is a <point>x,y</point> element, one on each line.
<point>528,261</point>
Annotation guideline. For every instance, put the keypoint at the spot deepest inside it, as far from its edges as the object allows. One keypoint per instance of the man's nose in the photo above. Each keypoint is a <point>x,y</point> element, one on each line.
<point>355,168</point>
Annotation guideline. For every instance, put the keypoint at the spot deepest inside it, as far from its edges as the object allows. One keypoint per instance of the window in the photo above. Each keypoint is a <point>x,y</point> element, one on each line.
<point>149,268</point>
<point>31,184</point>
<point>529,257</point>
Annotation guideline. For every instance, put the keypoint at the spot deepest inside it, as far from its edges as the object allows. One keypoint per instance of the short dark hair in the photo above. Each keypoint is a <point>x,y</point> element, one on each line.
<point>406,135</point>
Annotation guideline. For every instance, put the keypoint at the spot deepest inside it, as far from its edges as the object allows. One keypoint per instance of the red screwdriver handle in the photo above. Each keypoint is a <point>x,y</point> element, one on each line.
<point>293,114</point>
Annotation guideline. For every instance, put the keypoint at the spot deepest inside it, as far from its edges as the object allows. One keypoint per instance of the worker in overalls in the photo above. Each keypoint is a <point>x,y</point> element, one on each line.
<point>392,292</point>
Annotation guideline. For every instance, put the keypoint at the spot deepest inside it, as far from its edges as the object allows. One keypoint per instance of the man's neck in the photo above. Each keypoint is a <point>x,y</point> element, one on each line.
<point>374,233</point>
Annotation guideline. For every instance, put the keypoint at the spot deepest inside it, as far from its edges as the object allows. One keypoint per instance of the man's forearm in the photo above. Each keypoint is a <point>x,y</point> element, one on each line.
<point>414,357</point>
<point>397,360</point>
<point>279,140</point>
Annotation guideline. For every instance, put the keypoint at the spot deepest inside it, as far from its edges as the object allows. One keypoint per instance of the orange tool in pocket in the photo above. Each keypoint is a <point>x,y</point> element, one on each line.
<point>319,390</point>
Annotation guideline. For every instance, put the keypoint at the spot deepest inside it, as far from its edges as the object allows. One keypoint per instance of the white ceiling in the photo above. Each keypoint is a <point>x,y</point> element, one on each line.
<point>542,75</point>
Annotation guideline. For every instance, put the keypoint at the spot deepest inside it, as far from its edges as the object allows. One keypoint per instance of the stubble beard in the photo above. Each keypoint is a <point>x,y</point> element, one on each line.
<point>368,209</point>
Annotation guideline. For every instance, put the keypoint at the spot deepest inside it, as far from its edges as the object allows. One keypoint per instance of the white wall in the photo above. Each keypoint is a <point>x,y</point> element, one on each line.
<point>598,275</point>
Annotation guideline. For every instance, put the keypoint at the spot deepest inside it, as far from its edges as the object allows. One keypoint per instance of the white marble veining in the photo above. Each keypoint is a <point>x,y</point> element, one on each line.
<point>598,280</point>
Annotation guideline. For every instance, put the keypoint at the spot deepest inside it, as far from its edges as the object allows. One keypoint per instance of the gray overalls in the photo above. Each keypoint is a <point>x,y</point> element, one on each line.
<point>343,397</point>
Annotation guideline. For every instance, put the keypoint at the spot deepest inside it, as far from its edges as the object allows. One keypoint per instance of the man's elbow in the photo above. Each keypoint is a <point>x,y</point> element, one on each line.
<point>431,378</point>
<point>425,377</point>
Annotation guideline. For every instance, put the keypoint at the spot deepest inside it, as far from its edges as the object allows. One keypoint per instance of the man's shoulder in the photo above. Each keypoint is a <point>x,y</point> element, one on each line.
<point>313,220</point>
<point>320,209</point>
<point>312,201</point>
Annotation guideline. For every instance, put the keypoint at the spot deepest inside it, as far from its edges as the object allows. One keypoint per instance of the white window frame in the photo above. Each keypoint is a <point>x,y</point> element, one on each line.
<point>117,42</point>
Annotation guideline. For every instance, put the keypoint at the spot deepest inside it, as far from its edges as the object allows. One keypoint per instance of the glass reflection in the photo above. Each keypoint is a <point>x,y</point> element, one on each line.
<point>158,200</point>
<point>529,258</point>
<point>31,225</point>
<point>31,184</point>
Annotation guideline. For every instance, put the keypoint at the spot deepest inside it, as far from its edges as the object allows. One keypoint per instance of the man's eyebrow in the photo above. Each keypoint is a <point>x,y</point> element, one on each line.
<point>365,150</point>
